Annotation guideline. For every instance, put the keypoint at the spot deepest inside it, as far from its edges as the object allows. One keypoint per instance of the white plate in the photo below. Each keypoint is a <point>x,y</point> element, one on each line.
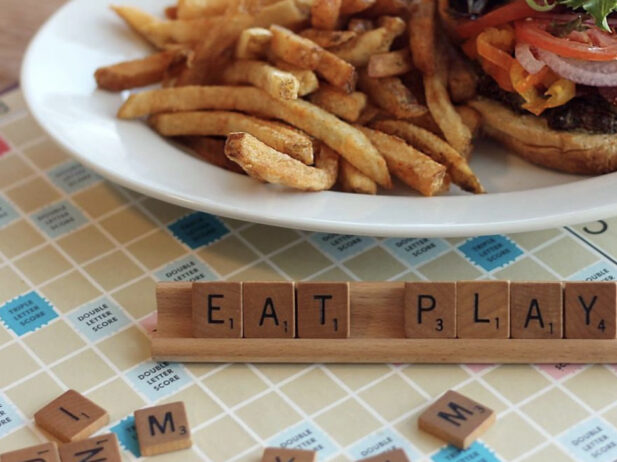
<point>60,90</point>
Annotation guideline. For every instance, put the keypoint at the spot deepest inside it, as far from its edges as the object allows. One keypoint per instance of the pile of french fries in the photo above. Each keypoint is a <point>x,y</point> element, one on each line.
<point>309,94</point>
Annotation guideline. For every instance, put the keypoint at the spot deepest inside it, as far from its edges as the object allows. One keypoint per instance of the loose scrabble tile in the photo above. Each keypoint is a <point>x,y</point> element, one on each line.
<point>71,417</point>
<point>288,455</point>
<point>268,309</point>
<point>395,455</point>
<point>162,429</point>
<point>430,309</point>
<point>102,448</point>
<point>482,309</point>
<point>456,419</point>
<point>322,309</point>
<point>536,310</point>
<point>47,452</point>
<point>590,310</point>
<point>217,309</point>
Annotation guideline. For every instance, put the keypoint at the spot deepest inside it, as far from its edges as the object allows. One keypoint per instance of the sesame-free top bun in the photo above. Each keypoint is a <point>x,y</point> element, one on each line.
<point>531,138</point>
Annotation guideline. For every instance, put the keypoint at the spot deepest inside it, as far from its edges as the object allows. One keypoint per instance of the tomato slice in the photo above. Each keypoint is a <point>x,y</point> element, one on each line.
<point>518,9</point>
<point>534,32</point>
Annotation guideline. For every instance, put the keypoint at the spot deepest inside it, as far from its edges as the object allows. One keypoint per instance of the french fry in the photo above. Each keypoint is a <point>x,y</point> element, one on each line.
<point>307,79</point>
<point>442,110</point>
<point>185,31</point>
<point>372,113</point>
<point>391,95</point>
<point>349,7</point>
<point>426,122</point>
<point>351,179</point>
<point>388,7</point>
<point>360,25</point>
<point>135,73</point>
<point>306,54</point>
<point>435,147</point>
<point>253,43</point>
<point>471,118</point>
<point>277,83</point>
<point>193,9</point>
<point>325,14</point>
<point>219,123</point>
<point>139,21</point>
<point>293,49</point>
<point>212,150</point>
<point>462,80</point>
<point>286,13</point>
<point>422,35</point>
<point>359,51</point>
<point>328,38</point>
<point>267,164</point>
<point>391,64</point>
<point>348,106</point>
<point>414,168</point>
<point>338,135</point>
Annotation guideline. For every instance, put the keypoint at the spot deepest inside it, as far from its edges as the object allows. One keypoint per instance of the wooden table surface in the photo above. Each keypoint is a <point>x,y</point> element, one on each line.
<point>19,20</point>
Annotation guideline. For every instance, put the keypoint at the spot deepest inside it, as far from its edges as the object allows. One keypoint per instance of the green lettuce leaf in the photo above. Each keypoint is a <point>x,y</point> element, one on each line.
<point>598,9</point>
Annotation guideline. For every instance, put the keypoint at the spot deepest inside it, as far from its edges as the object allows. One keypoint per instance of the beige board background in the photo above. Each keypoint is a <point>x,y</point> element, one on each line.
<point>111,245</point>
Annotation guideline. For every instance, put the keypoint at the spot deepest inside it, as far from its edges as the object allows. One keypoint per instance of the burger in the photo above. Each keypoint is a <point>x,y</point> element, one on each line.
<point>547,85</point>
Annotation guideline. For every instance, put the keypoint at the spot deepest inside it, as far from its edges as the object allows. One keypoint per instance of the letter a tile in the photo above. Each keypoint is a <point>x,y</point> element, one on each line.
<point>269,309</point>
<point>71,417</point>
<point>162,429</point>
<point>456,419</point>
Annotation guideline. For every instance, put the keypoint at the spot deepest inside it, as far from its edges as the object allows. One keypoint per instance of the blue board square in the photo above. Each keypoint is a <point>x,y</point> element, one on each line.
<point>71,176</point>
<point>490,252</point>
<point>198,229</point>
<point>7,213</point>
<point>58,219</point>
<point>127,435</point>
<point>26,313</point>
<point>477,452</point>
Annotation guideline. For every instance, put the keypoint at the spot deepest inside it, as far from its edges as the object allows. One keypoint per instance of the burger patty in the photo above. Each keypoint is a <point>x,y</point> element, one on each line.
<point>589,112</point>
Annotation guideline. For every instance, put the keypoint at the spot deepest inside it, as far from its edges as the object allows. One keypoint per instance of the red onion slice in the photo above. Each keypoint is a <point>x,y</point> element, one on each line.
<point>593,73</point>
<point>526,58</point>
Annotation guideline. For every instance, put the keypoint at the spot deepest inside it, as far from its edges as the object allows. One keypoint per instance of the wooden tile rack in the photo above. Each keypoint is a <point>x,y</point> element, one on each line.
<point>377,334</point>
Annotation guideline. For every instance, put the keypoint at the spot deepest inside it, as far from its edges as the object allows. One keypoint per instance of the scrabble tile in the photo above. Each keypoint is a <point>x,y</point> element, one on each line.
<point>590,309</point>
<point>395,455</point>
<point>47,452</point>
<point>102,448</point>
<point>430,309</point>
<point>71,417</point>
<point>162,429</point>
<point>288,455</point>
<point>322,309</point>
<point>536,310</point>
<point>217,309</point>
<point>482,309</point>
<point>456,419</point>
<point>268,309</point>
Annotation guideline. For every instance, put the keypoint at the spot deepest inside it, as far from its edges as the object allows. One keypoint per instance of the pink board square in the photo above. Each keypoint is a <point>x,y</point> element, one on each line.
<point>4,147</point>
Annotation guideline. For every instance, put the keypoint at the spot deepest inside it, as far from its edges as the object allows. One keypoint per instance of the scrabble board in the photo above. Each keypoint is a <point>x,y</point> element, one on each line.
<point>79,260</point>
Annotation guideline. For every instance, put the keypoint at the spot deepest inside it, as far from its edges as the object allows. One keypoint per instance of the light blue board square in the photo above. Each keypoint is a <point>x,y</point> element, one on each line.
<point>416,251</point>
<point>382,441</point>
<point>600,271</point>
<point>58,219</point>
<point>99,319</point>
<point>127,435</point>
<point>477,452</point>
<point>27,313</point>
<point>7,213</point>
<point>71,176</point>
<point>306,436</point>
<point>341,246</point>
<point>593,440</point>
<point>158,380</point>
<point>198,229</point>
<point>9,419</point>
<point>186,269</point>
<point>491,252</point>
